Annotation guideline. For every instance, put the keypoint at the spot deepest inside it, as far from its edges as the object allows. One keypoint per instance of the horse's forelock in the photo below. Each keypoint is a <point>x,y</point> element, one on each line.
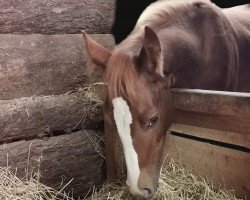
<point>121,77</point>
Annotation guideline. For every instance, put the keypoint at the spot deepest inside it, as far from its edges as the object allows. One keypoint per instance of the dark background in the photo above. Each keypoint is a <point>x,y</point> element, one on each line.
<point>128,12</point>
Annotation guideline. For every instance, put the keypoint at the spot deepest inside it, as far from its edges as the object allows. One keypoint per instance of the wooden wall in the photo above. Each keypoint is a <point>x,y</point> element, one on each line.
<point>43,113</point>
<point>46,124</point>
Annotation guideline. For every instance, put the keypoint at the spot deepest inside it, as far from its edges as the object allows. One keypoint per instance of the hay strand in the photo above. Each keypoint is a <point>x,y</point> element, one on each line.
<point>13,188</point>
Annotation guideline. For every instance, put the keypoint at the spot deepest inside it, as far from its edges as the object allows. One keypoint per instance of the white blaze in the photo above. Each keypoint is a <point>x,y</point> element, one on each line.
<point>123,119</point>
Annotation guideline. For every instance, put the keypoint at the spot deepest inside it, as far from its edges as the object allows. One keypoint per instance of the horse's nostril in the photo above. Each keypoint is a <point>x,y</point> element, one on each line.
<point>148,192</point>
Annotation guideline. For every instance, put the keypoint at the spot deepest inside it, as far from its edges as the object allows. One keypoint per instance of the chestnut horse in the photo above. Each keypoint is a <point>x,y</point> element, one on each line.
<point>180,44</point>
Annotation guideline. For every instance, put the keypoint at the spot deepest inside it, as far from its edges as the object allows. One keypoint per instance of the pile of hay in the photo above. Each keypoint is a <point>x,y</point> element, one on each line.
<point>175,183</point>
<point>13,188</point>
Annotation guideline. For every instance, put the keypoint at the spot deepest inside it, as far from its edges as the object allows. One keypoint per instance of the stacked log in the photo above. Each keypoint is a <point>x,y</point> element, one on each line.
<point>59,160</point>
<point>48,124</point>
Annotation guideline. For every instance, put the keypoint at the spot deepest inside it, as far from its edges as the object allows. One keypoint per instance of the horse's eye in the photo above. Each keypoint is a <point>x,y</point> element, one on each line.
<point>153,121</point>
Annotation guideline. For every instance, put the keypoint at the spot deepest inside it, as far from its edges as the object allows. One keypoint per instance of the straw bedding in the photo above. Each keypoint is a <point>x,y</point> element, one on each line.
<point>13,188</point>
<point>175,183</point>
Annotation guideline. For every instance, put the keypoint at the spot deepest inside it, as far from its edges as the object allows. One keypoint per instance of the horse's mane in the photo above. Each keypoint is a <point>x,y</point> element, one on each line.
<point>166,12</point>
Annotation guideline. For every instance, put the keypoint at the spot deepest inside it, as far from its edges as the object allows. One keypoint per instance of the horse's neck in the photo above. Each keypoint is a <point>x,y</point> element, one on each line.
<point>240,19</point>
<point>182,57</point>
<point>200,58</point>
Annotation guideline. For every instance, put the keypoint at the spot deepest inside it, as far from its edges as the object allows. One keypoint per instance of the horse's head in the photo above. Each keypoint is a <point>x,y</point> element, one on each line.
<point>138,105</point>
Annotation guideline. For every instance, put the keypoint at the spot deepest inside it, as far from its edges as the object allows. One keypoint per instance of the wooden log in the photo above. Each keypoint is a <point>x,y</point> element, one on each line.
<point>220,165</point>
<point>36,117</point>
<point>216,115</point>
<point>44,64</point>
<point>57,17</point>
<point>78,156</point>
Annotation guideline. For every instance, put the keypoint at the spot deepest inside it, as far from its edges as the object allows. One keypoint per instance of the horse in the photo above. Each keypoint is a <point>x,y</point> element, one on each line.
<point>175,44</point>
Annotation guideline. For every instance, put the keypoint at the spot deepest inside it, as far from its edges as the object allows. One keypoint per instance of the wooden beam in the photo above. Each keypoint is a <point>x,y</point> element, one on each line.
<point>233,104</point>
<point>45,64</point>
<point>57,17</point>
<point>77,157</point>
<point>216,115</point>
<point>36,117</point>
<point>212,134</point>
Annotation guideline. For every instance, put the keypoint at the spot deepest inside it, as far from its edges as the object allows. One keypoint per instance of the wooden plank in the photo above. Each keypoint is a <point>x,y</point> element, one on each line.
<point>212,134</point>
<point>57,16</point>
<point>234,104</point>
<point>59,159</point>
<point>44,64</point>
<point>219,164</point>
<point>221,116</point>
<point>36,117</point>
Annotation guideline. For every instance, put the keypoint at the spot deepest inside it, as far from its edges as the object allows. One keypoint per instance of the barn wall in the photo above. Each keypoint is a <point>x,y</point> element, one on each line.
<point>48,123</point>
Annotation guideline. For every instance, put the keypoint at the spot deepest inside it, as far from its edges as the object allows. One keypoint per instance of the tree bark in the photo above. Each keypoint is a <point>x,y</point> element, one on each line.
<point>56,17</point>
<point>44,64</point>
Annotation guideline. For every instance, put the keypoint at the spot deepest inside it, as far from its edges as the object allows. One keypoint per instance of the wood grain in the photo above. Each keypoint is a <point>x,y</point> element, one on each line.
<point>216,115</point>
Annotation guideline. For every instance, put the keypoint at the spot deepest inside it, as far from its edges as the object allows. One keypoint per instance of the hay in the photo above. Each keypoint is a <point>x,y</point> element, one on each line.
<point>13,188</point>
<point>175,183</point>
<point>92,95</point>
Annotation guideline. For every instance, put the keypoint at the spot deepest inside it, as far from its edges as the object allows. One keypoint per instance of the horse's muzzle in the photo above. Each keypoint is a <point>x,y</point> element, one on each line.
<point>145,193</point>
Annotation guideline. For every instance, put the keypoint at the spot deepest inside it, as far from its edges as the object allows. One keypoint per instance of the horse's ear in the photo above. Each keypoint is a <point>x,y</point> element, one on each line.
<point>97,54</point>
<point>150,56</point>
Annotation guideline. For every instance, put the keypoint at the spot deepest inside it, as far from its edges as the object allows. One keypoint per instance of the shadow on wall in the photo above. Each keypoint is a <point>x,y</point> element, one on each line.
<point>128,12</point>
